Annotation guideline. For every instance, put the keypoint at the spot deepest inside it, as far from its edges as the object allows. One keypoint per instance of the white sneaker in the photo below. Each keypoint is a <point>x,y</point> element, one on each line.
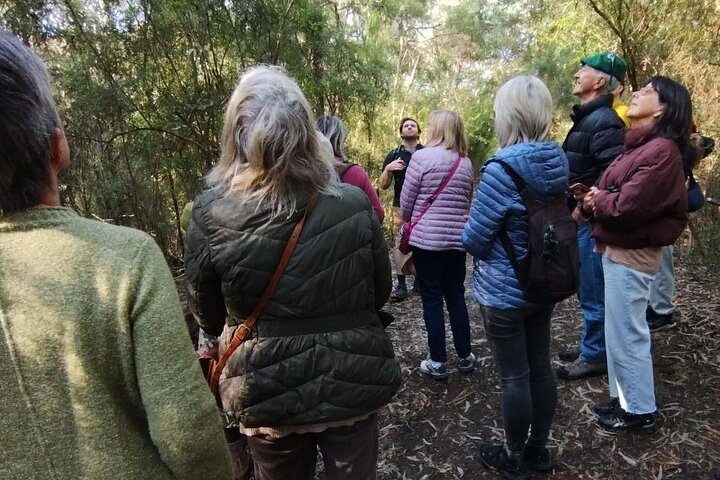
<point>435,370</point>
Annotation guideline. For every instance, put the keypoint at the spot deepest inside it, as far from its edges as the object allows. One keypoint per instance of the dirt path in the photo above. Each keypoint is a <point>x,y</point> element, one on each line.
<point>433,429</point>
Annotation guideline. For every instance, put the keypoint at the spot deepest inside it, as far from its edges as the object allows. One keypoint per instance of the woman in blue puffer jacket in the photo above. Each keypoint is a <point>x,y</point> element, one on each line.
<point>518,330</point>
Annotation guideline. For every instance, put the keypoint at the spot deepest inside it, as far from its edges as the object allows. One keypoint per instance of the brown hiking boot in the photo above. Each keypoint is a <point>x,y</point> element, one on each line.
<point>569,354</point>
<point>581,369</point>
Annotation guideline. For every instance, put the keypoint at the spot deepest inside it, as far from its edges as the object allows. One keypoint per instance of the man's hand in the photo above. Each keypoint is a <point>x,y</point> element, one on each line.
<point>578,216</point>
<point>386,175</point>
<point>395,165</point>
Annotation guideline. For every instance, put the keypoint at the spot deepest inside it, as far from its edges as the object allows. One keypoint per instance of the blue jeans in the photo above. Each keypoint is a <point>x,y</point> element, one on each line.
<point>629,355</point>
<point>592,298</point>
<point>521,344</point>
<point>663,287</point>
<point>441,275</point>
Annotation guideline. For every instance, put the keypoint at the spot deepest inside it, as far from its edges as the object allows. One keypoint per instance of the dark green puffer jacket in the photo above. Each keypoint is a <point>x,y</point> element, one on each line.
<point>318,352</point>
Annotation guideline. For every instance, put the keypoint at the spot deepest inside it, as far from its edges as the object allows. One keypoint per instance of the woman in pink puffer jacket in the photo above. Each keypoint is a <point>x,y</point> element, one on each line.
<point>436,239</point>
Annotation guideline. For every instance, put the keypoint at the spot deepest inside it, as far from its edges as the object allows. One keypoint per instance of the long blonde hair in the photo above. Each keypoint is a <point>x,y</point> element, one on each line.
<point>446,128</point>
<point>271,150</point>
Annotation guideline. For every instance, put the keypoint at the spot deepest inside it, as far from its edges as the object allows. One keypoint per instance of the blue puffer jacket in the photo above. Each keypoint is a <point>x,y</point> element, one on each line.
<point>544,168</point>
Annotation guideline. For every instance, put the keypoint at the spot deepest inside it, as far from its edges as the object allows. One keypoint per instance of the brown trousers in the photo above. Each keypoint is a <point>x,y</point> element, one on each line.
<point>349,453</point>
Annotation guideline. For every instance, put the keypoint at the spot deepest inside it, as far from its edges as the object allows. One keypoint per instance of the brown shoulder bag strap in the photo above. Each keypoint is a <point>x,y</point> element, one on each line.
<point>244,329</point>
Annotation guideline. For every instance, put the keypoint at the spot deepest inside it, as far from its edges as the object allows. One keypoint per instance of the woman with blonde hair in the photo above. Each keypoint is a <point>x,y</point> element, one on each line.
<point>435,198</point>
<point>317,365</point>
<point>518,330</point>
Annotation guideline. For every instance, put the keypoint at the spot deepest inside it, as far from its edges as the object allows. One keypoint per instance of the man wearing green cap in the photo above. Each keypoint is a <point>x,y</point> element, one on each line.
<point>594,141</point>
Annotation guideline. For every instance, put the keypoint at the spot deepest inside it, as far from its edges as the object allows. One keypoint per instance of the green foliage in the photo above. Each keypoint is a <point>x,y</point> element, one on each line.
<point>142,84</point>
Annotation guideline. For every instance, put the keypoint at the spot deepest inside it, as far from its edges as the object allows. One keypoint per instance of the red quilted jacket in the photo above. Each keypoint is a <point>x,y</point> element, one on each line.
<point>643,199</point>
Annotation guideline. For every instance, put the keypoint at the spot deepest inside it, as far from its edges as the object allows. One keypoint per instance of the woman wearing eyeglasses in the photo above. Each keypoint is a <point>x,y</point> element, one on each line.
<point>639,206</point>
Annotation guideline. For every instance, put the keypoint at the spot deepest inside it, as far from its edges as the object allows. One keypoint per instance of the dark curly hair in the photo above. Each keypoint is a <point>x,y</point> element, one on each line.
<point>402,122</point>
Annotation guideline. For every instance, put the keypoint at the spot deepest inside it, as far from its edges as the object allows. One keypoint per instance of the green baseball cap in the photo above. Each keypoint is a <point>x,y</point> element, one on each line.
<point>608,62</point>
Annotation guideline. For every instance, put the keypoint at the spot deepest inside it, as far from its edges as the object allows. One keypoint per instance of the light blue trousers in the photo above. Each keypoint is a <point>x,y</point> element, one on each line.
<point>663,287</point>
<point>627,337</point>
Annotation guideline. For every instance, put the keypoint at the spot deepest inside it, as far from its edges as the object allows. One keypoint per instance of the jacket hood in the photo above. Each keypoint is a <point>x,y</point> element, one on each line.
<point>542,165</point>
<point>634,137</point>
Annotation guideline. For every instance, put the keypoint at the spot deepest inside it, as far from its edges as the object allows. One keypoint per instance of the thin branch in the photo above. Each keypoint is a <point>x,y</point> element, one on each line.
<point>593,4</point>
<point>134,130</point>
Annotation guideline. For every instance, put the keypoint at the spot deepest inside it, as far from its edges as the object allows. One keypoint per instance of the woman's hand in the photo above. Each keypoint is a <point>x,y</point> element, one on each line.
<point>579,196</point>
<point>588,202</point>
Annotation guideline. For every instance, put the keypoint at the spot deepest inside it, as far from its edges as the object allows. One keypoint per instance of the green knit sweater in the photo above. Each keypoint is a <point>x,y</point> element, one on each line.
<point>98,379</point>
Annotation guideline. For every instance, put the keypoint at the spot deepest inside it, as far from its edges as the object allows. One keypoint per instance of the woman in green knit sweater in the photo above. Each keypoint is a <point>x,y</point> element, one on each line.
<point>98,378</point>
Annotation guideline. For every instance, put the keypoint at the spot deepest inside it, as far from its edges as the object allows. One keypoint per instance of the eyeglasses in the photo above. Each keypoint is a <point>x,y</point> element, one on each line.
<point>647,89</point>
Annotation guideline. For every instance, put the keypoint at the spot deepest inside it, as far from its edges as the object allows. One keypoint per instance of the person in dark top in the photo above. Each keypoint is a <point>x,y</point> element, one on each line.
<point>593,142</point>
<point>394,167</point>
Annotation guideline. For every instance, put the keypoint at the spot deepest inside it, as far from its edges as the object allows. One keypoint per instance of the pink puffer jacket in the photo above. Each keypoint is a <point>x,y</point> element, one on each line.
<point>442,225</point>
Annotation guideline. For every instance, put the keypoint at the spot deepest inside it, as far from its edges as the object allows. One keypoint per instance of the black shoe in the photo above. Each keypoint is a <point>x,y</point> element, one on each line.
<point>538,459</point>
<point>629,422</point>
<point>495,458</point>
<point>610,407</point>
<point>467,364</point>
<point>581,369</point>
<point>658,323</point>
<point>400,293</point>
<point>569,354</point>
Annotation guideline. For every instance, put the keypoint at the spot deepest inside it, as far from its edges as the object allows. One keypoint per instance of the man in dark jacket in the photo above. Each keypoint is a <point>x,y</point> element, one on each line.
<point>394,167</point>
<point>593,142</point>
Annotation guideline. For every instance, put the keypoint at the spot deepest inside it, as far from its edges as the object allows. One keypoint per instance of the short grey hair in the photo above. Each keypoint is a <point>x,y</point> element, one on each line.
<point>611,82</point>
<point>29,118</point>
<point>335,131</point>
<point>523,111</point>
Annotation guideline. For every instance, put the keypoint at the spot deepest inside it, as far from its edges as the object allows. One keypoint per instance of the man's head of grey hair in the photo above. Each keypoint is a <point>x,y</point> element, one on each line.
<point>27,124</point>
<point>610,84</point>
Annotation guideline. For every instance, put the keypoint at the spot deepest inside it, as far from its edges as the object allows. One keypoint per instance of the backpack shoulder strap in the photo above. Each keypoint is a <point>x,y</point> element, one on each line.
<point>502,233</point>
<point>428,203</point>
<point>517,179</point>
